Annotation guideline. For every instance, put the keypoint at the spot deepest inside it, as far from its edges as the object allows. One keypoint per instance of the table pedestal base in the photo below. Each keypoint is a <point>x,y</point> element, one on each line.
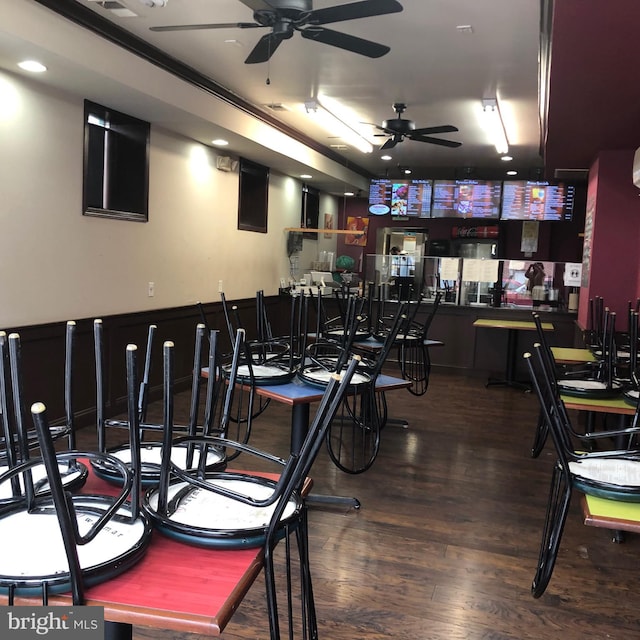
<point>117,631</point>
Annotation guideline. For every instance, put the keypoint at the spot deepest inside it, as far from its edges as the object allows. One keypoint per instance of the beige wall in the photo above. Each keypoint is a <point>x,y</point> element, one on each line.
<point>58,264</point>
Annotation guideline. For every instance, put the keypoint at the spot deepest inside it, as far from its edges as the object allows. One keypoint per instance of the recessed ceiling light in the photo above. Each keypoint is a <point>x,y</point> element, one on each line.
<point>32,65</point>
<point>306,176</point>
<point>512,173</point>
<point>349,193</point>
<point>387,157</point>
<point>506,158</point>
<point>220,142</point>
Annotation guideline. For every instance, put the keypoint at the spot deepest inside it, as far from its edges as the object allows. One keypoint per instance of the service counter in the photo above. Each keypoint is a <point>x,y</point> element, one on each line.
<point>482,352</point>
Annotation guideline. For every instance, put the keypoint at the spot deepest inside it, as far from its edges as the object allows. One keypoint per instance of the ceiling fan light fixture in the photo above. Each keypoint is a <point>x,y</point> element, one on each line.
<point>335,126</point>
<point>494,125</point>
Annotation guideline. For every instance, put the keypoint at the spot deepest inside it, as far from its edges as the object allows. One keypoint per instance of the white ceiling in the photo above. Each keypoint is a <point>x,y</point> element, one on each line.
<point>441,73</point>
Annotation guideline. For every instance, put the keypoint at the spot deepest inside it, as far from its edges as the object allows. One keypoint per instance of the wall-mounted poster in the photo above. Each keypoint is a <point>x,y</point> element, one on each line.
<point>357,224</point>
<point>328,224</point>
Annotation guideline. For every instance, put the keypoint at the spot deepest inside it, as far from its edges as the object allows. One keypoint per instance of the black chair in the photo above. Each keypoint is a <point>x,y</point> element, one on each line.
<point>151,433</point>
<point>18,441</point>
<point>594,381</point>
<point>413,350</point>
<point>353,440</point>
<point>614,475</point>
<point>237,510</point>
<point>41,534</point>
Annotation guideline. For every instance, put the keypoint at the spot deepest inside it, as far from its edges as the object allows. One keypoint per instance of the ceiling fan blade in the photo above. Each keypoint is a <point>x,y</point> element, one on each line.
<point>439,141</point>
<point>345,41</point>
<point>445,128</point>
<point>389,144</point>
<point>265,48</point>
<point>194,27</point>
<point>353,11</point>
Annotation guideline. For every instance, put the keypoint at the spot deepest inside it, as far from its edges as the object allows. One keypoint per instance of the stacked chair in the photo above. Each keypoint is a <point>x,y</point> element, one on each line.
<point>592,380</point>
<point>60,542</point>
<point>151,449</point>
<point>353,440</point>
<point>17,440</point>
<point>610,474</point>
<point>238,510</point>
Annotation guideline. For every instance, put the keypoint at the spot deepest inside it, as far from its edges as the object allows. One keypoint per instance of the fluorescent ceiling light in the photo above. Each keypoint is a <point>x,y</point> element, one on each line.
<point>32,65</point>
<point>306,176</point>
<point>334,125</point>
<point>494,125</point>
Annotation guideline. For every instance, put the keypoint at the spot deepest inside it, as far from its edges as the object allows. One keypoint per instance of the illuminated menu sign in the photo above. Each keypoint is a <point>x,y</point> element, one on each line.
<point>528,200</point>
<point>466,199</point>
<point>401,198</point>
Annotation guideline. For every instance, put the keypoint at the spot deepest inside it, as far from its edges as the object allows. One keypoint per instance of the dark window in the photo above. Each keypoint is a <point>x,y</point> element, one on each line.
<point>116,164</point>
<point>310,210</point>
<point>254,196</point>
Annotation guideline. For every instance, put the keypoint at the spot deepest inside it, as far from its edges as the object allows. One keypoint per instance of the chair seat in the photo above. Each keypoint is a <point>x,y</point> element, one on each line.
<point>73,477</point>
<point>206,518</point>
<point>614,478</point>
<point>150,459</point>
<point>265,373</point>
<point>586,388</point>
<point>320,377</point>
<point>34,549</point>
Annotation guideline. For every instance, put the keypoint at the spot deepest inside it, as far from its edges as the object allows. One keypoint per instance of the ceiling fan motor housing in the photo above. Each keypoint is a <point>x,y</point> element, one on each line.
<point>399,125</point>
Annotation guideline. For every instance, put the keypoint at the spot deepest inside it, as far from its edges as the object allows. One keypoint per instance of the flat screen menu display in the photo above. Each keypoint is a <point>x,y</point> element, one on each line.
<point>466,199</point>
<point>529,200</point>
<point>401,198</point>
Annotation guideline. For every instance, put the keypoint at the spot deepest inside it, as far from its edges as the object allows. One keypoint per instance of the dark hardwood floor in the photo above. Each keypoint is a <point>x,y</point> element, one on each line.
<point>445,544</point>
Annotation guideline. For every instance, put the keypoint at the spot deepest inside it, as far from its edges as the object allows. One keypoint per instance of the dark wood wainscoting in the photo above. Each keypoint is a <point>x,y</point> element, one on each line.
<point>42,353</point>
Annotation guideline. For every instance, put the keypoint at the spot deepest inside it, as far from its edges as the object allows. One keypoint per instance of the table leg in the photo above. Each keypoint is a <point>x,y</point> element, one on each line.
<point>509,379</point>
<point>299,425</point>
<point>299,429</point>
<point>117,631</point>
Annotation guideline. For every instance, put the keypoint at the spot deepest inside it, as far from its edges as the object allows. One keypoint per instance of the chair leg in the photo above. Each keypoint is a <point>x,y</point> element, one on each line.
<point>272,603</point>
<point>353,439</point>
<point>309,620</point>
<point>557,509</point>
<point>540,439</point>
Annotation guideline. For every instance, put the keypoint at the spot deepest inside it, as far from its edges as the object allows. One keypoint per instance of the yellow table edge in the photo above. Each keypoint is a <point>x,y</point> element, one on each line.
<point>619,405</point>
<point>572,354</point>
<point>611,514</point>
<point>527,325</point>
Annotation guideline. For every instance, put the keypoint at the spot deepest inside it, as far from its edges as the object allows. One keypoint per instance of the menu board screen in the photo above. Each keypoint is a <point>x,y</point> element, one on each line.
<point>529,200</point>
<point>402,198</point>
<point>466,199</point>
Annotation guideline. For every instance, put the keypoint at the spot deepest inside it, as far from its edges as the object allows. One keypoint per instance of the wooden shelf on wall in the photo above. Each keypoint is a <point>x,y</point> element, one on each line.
<point>336,231</point>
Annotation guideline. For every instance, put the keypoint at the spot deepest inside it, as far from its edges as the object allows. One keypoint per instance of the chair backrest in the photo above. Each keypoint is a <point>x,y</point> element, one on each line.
<point>434,309</point>
<point>551,405</point>
<point>293,471</point>
<point>80,519</point>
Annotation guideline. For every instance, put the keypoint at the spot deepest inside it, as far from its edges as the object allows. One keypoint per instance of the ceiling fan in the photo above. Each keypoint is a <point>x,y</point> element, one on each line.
<point>400,128</point>
<point>284,17</point>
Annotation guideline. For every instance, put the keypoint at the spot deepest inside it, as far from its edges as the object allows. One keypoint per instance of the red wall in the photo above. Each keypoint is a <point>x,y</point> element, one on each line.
<point>613,270</point>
